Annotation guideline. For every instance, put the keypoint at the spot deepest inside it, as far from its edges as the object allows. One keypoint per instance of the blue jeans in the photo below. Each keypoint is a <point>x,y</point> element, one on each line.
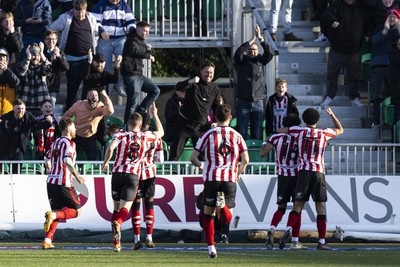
<point>109,48</point>
<point>252,112</point>
<point>74,79</point>
<point>134,85</point>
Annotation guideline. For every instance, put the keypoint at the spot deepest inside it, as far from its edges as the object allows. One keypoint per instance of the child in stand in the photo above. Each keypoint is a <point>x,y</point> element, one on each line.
<point>45,137</point>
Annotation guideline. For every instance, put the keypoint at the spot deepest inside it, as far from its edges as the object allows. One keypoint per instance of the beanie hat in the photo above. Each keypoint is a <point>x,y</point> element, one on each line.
<point>395,12</point>
<point>34,49</point>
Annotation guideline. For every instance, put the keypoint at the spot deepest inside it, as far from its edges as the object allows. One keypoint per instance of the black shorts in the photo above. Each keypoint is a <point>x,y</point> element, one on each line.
<point>62,197</point>
<point>124,186</point>
<point>147,188</point>
<point>286,189</point>
<point>210,193</point>
<point>311,183</point>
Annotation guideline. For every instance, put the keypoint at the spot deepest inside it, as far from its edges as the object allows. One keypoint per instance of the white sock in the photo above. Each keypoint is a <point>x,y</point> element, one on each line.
<point>136,238</point>
<point>47,240</point>
<point>322,241</point>
<point>295,239</point>
<point>212,249</point>
<point>149,237</point>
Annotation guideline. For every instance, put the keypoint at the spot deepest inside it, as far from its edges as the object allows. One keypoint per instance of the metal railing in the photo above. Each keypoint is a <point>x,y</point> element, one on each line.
<point>188,19</point>
<point>340,159</point>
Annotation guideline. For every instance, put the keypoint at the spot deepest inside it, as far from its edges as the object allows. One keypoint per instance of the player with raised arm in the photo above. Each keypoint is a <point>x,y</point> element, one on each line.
<point>311,179</point>
<point>63,198</point>
<point>131,147</point>
<point>286,154</point>
<point>223,149</point>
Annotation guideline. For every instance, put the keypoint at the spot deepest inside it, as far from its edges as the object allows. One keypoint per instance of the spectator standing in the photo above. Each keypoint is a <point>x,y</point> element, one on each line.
<point>135,50</point>
<point>33,16</point>
<point>8,5</point>
<point>381,42</point>
<point>88,113</point>
<point>33,72</point>
<point>171,114</point>
<point>16,129</point>
<point>95,75</point>
<point>394,77</point>
<point>147,188</point>
<point>287,161</point>
<point>251,86</point>
<point>78,31</point>
<point>58,62</point>
<point>287,20</point>
<point>223,148</point>
<point>311,143</point>
<point>116,19</point>
<point>44,138</point>
<point>341,18</point>
<point>278,106</point>
<point>201,95</point>
<point>8,82</point>
<point>10,39</point>
<point>63,198</point>
<point>131,148</point>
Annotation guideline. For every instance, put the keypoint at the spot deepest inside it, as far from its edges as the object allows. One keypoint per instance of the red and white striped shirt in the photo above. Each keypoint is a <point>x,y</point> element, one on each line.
<point>312,143</point>
<point>46,136</point>
<point>286,152</point>
<point>222,147</point>
<point>148,166</point>
<point>131,149</point>
<point>60,149</point>
<point>280,111</point>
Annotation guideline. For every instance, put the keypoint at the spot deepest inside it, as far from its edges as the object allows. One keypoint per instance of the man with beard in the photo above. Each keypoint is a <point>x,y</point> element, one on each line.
<point>88,114</point>
<point>95,75</point>
<point>15,132</point>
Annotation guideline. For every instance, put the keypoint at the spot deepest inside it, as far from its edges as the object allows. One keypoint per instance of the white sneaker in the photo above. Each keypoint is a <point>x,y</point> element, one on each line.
<point>356,102</point>
<point>321,38</point>
<point>328,100</point>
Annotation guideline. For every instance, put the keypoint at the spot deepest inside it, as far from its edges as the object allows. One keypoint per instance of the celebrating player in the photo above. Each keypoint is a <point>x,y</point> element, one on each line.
<point>223,147</point>
<point>131,148</point>
<point>146,189</point>
<point>311,180</point>
<point>63,198</point>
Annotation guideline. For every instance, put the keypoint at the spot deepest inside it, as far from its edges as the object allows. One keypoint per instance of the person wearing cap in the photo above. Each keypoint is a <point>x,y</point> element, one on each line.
<point>9,38</point>
<point>8,81</point>
<point>58,61</point>
<point>78,32</point>
<point>382,40</point>
<point>116,20</point>
<point>95,75</point>
<point>33,72</point>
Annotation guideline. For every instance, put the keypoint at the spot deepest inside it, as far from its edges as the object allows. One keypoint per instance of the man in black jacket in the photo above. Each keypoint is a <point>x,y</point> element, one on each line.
<point>201,95</point>
<point>251,86</point>
<point>135,50</point>
<point>344,23</point>
<point>15,131</point>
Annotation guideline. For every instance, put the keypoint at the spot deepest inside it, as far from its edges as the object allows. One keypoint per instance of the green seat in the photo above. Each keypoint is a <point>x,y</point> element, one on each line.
<point>112,120</point>
<point>233,123</point>
<point>165,150</point>
<point>30,150</point>
<point>397,133</point>
<point>387,111</point>
<point>253,148</point>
